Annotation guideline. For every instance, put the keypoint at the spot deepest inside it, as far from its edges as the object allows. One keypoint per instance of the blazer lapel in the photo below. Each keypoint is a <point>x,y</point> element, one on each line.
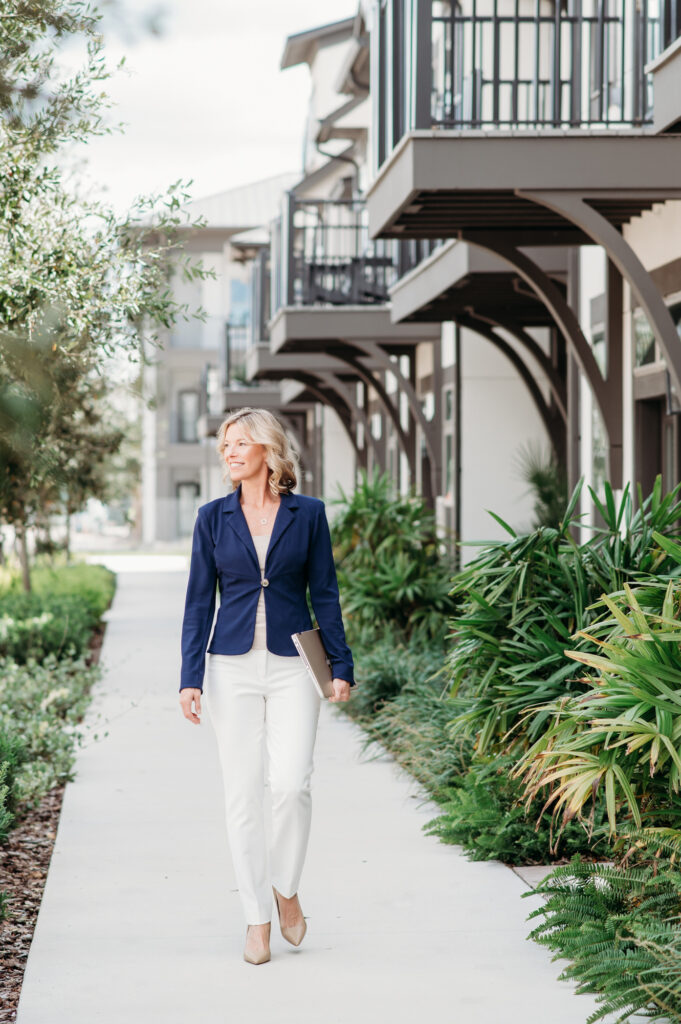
<point>237,521</point>
<point>284,518</point>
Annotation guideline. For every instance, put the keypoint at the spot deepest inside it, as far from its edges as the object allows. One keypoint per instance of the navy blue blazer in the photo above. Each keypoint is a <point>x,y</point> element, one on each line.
<point>299,555</point>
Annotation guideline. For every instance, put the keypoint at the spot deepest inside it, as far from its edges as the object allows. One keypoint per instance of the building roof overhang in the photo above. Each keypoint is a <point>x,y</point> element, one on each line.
<point>301,46</point>
<point>442,184</point>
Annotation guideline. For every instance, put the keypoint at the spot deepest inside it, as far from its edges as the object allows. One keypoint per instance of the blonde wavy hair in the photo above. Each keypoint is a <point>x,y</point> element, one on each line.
<point>261,427</point>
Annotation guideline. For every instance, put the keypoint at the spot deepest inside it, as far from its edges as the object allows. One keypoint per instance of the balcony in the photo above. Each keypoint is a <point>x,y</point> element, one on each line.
<point>330,282</point>
<point>478,107</point>
<point>515,64</point>
<point>324,255</point>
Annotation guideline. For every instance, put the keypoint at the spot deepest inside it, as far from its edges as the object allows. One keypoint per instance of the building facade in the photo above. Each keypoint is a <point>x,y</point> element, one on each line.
<point>481,254</point>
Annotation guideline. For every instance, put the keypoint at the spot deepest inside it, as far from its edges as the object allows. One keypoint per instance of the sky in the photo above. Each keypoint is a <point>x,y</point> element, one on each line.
<point>204,99</point>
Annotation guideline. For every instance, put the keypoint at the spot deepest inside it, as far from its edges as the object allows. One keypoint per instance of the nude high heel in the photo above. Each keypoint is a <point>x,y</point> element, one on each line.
<point>294,933</point>
<point>252,957</point>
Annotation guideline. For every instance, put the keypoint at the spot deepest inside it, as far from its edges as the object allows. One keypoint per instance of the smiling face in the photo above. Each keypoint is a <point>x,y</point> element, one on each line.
<point>245,458</point>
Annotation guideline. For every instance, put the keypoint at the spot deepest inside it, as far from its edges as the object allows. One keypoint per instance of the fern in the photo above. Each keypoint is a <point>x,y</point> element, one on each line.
<point>620,929</point>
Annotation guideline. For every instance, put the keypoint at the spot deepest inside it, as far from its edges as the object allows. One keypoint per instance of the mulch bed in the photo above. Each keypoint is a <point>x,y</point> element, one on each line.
<point>24,862</point>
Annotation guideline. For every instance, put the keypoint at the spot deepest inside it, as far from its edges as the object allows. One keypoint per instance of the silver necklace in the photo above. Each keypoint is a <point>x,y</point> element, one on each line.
<point>264,520</point>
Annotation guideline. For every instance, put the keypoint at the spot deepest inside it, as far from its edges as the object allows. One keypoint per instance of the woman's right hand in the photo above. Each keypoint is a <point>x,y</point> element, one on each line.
<point>188,696</point>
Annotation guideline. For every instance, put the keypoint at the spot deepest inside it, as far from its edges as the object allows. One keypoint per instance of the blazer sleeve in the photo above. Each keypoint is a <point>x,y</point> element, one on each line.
<point>325,599</point>
<point>199,607</point>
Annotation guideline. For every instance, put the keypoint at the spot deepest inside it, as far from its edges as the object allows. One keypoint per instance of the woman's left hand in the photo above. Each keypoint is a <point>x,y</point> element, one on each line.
<point>341,690</point>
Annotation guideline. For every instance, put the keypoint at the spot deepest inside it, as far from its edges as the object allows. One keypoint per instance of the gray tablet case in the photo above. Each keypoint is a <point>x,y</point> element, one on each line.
<point>311,649</point>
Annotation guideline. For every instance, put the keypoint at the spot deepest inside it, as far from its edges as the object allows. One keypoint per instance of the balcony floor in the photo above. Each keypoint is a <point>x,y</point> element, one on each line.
<point>263,364</point>
<point>440,184</point>
<point>460,279</point>
<point>316,328</point>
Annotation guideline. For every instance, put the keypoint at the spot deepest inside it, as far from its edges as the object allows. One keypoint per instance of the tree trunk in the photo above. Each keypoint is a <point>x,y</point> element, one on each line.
<point>23,557</point>
<point>68,536</point>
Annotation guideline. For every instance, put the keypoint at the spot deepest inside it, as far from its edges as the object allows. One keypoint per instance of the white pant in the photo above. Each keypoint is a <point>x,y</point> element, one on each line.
<point>261,701</point>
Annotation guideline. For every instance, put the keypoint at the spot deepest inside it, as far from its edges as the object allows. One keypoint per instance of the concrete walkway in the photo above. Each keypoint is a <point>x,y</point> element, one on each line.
<point>141,921</point>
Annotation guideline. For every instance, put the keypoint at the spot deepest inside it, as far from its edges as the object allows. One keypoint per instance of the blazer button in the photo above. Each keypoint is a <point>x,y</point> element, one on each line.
<point>265,583</point>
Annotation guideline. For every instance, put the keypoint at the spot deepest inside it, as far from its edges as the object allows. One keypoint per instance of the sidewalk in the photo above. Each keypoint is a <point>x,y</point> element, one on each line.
<point>140,920</point>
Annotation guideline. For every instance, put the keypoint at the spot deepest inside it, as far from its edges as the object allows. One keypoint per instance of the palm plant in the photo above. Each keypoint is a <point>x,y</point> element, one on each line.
<point>522,599</point>
<point>548,481</point>
<point>623,735</point>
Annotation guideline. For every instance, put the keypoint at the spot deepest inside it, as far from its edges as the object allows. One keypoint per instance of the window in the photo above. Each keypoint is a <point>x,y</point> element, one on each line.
<point>188,415</point>
<point>187,498</point>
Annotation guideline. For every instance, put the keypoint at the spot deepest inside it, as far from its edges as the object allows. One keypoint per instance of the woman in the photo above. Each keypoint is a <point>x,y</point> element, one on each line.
<point>263,546</point>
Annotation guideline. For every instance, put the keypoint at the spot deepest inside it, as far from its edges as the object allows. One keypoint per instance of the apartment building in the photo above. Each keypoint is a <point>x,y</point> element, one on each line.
<point>481,252</point>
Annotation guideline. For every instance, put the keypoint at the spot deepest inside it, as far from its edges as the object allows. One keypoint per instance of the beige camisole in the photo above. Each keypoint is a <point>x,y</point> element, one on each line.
<point>260,635</point>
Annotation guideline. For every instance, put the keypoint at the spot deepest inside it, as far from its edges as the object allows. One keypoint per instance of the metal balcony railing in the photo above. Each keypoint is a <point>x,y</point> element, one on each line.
<point>543,68</point>
<point>527,64</point>
<point>322,255</point>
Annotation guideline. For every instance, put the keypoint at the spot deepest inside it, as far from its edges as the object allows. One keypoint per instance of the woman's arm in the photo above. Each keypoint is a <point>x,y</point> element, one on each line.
<point>325,599</point>
<point>199,607</point>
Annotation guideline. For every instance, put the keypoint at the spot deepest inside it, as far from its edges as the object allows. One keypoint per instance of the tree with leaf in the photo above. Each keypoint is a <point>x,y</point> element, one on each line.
<point>77,283</point>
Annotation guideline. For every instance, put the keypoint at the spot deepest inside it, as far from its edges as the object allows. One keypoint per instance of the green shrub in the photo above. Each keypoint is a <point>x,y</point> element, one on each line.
<point>384,669</point>
<point>33,626</point>
<point>13,754</point>
<point>413,727</point>
<point>6,815</point>
<point>548,482</point>
<point>392,567</point>
<point>43,703</point>
<point>620,737</point>
<point>93,585</point>
<point>484,812</point>
<point>58,616</point>
<point>522,599</point>
<point>620,929</point>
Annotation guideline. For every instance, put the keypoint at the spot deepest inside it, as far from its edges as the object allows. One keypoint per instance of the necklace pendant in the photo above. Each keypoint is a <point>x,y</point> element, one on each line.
<point>263,521</point>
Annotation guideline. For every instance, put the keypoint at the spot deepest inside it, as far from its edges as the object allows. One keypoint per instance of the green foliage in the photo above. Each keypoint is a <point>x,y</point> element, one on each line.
<point>392,567</point>
<point>94,585</point>
<point>58,616</point>
<point>385,668</point>
<point>13,754</point>
<point>548,481</point>
<point>78,282</point>
<point>32,627</point>
<point>43,704</point>
<point>484,813</point>
<point>413,727</point>
<point>6,815</point>
<point>45,678</point>
<point>522,599</point>
<point>622,735</point>
<point>620,928</point>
